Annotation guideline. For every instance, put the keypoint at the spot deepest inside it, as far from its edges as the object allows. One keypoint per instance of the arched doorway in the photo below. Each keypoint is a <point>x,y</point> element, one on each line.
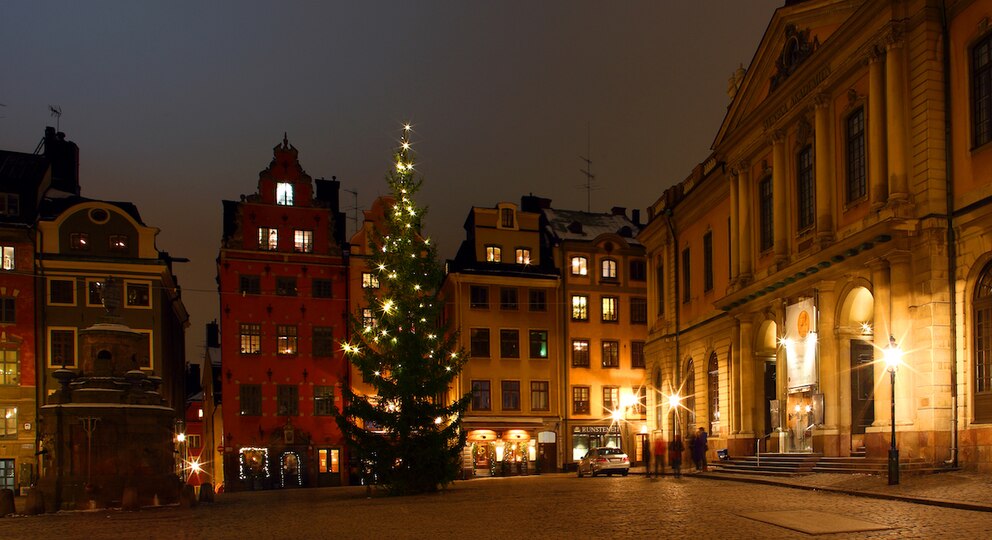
<point>765,351</point>
<point>856,330</point>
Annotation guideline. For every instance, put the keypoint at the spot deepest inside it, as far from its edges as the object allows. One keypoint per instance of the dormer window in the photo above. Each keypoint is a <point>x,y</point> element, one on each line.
<point>79,241</point>
<point>506,218</point>
<point>10,204</point>
<point>118,242</point>
<point>284,194</point>
<point>523,256</point>
<point>493,254</point>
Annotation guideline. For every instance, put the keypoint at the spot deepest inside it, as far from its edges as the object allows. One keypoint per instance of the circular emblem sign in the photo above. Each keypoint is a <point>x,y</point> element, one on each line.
<point>802,324</point>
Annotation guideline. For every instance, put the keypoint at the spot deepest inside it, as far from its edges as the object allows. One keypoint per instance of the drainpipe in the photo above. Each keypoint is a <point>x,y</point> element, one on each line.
<point>951,246</point>
<point>675,251</point>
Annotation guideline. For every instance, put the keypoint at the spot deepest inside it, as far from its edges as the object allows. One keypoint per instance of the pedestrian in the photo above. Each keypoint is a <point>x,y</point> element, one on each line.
<point>700,449</point>
<point>646,452</point>
<point>660,449</point>
<point>690,444</point>
<point>675,455</point>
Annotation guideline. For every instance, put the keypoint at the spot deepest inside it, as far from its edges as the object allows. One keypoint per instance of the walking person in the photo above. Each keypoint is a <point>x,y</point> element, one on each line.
<point>675,455</point>
<point>646,453</point>
<point>660,449</point>
<point>690,444</point>
<point>700,448</point>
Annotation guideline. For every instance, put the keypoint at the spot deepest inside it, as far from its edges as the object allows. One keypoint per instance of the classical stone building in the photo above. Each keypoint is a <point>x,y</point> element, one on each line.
<point>848,192</point>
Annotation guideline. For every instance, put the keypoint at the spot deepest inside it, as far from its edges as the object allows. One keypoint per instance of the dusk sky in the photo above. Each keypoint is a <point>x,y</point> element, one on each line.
<point>176,105</point>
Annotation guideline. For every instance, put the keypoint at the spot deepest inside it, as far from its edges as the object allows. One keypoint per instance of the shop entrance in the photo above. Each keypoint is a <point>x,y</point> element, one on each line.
<point>547,452</point>
<point>862,387</point>
<point>800,421</point>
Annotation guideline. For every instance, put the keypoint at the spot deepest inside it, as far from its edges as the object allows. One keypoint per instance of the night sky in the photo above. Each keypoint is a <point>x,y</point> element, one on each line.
<point>176,105</point>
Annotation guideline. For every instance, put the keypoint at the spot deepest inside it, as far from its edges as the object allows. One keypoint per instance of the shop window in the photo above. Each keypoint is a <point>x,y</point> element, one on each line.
<point>479,297</point>
<point>138,294</point>
<point>302,241</point>
<point>6,257</point>
<point>62,292</point>
<point>251,399</point>
<point>251,338</point>
<point>286,340</point>
<point>284,194</point>
<point>9,366</point>
<point>493,254</point>
<point>288,400</point>
<point>804,188</point>
<point>268,238</point>
<point>637,354</point>
<point>580,353</point>
<point>322,288</point>
<point>539,399</point>
<point>508,298</point>
<point>323,341</point>
<point>580,400</point>
<point>580,307</point>
<point>611,309</point>
<point>8,309</point>
<point>538,300</point>
<point>611,354</point>
<point>250,285</point>
<point>285,286</point>
<point>639,310</point>
<point>509,343</point>
<point>856,166</point>
<point>538,343</point>
<point>981,91</point>
<point>62,347</point>
<point>580,266</point>
<point>323,400</point>
<point>523,256</point>
<point>479,342</point>
<point>480,396</point>
<point>511,395</point>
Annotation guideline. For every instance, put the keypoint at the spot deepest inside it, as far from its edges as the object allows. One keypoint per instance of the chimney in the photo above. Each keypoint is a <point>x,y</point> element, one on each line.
<point>64,157</point>
<point>619,211</point>
<point>531,203</point>
<point>213,335</point>
<point>635,216</point>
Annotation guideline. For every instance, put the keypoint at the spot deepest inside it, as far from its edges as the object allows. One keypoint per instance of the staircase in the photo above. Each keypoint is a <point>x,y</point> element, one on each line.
<point>799,464</point>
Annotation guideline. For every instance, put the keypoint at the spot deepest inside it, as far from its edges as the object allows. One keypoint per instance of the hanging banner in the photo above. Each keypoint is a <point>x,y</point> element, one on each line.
<point>800,344</point>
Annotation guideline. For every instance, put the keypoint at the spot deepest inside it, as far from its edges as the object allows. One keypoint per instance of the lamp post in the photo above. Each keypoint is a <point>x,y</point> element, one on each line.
<point>673,404</point>
<point>892,358</point>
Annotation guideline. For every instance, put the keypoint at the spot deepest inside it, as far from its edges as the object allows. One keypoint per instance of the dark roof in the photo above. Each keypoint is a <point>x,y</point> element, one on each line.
<point>53,207</point>
<point>578,225</point>
<point>17,169</point>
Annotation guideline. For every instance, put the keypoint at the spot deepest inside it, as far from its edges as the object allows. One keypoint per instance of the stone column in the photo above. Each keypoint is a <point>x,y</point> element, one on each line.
<point>897,119</point>
<point>735,234</point>
<point>734,386</point>
<point>747,376</point>
<point>746,232</point>
<point>780,205</point>
<point>877,162</point>
<point>824,170</point>
<point>882,327</point>
<point>901,328</point>
<point>830,363</point>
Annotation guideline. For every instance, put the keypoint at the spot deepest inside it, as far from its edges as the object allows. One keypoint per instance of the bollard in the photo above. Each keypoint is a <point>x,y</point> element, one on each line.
<point>207,493</point>
<point>187,497</point>
<point>6,502</point>
<point>35,503</point>
<point>129,500</point>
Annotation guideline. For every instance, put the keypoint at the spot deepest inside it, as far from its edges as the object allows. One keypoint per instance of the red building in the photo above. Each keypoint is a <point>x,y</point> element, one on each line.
<point>284,310</point>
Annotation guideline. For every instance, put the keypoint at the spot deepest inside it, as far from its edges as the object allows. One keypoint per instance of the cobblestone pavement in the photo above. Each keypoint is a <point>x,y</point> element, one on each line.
<point>547,506</point>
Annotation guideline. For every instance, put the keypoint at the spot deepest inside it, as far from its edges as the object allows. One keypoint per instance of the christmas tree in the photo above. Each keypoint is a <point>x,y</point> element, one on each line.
<point>408,435</point>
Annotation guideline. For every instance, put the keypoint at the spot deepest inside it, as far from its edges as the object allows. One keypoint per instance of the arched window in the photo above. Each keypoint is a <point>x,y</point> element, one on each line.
<point>983,346</point>
<point>689,391</point>
<point>713,393</point>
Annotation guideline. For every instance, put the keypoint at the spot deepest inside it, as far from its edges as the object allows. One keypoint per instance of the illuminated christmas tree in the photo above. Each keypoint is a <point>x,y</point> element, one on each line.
<point>408,435</point>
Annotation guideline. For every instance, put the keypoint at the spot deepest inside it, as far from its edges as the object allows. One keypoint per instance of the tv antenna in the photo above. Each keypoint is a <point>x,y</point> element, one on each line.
<point>56,111</point>
<point>590,184</point>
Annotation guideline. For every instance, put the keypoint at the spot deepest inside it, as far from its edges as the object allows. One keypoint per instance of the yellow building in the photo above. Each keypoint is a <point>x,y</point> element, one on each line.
<point>851,178</point>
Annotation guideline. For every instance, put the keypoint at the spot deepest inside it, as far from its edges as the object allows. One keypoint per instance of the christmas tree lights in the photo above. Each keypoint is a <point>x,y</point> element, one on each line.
<point>410,359</point>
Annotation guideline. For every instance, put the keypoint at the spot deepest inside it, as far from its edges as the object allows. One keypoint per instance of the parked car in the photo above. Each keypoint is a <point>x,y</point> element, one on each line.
<point>604,460</point>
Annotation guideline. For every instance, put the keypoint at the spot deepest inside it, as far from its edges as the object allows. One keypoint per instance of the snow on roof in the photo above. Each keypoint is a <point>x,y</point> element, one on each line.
<point>578,225</point>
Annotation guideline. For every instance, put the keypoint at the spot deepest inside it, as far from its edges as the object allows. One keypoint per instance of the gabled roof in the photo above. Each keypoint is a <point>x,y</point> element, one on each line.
<point>578,225</point>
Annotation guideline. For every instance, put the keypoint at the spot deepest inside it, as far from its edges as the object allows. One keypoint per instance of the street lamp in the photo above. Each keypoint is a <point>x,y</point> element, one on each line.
<point>673,404</point>
<point>893,357</point>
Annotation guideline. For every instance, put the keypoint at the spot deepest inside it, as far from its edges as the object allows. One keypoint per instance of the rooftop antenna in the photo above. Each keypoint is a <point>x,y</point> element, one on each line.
<point>354,209</point>
<point>590,184</point>
<point>57,113</point>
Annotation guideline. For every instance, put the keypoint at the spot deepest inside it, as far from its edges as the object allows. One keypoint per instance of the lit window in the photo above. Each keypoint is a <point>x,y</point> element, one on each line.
<point>523,256</point>
<point>7,253</point>
<point>538,343</point>
<point>118,242</point>
<point>580,400</point>
<point>286,340</point>
<point>580,353</point>
<point>368,320</point>
<point>268,238</point>
<point>611,354</point>
<point>493,254</point>
<point>579,266</point>
<point>79,241</point>
<point>284,194</point>
<point>251,338</point>
<point>611,311</point>
<point>8,365</point>
<point>303,241</point>
<point>580,307</point>
<point>328,459</point>
<point>609,269</point>
<point>369,281</point>
<point>138,295</point>
<point>8,422</point>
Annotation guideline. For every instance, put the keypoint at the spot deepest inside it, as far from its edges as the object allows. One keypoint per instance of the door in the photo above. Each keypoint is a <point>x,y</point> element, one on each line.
<point>329,467</point>
<point>862,386</point>
<point>547,454</point>
<point>771,394</point>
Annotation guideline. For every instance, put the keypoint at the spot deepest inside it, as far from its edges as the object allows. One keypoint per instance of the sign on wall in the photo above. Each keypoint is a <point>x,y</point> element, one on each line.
<point>800,343</point>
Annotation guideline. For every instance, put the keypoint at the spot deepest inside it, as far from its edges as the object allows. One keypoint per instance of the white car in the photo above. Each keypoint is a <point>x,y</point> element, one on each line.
<point>604,460</point>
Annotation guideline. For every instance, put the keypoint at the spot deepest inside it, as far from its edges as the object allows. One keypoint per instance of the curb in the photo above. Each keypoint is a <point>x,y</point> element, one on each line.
<point>959,505</point>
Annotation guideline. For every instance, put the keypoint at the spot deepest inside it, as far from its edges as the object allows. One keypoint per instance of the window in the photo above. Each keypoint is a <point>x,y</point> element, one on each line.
<point>118,242</point>
<point>660,289</point>
<point>580,400</point>
<point>509,343</point>
<point>288,396</point>
<point>479,297</point>
<point>609,269</point>
<point>285,286</point>
<point>640,394</point>
<point>8,423</point>
<point>689,388</point>
<point>981,91</point>
<point>302,241</point>
<point>708,261</point>
<point>8,309</point>
<point>580,266</point>
<point>9,367</point>
<point>7,256</point>
<point>479,338</point>
<point>580,307</point>
<point>580,353</point>
<point>538,343</point>
<point>368,320</point>
<point>686,268</point>
<point>286,341</point>
<point>493,254</point>
<point>284,194</point>
<point>611,354</point>
<point>251,338</point>
<point>538,299</point>
<point>508,298</point>
<point>857,166</point>
<point>611,306</point>
<point>804,187</point>
<point>62,347</point>
<point>637,354</point>
<point>638,270</point>
<point>62,291</point>
<point>250,285</point>
<point>511,395</point>
<point>138,294</point>
<point>323,341</point>
<point>480,396</point>
<point>766,219</point>
<point>268,238</point>
<point>523,256</point>
<point>639,310</point>
<point>329,460</point>
<point>983,346</point>
<point>10,204</point>
<point>539,400</point>
<point>506,218</point>
<point>322,288</point>
<point>79,241</point>
<point>323,400</point>
<point>713,393</point>
<point>611,399</point>
<point>251,399</point>
<point>369,281</point>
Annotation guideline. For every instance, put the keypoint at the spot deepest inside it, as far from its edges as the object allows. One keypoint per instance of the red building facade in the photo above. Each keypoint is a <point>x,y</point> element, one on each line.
<point>283,285</point>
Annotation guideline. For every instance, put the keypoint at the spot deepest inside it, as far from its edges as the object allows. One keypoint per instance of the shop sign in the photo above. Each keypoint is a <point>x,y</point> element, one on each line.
<point>800,343</point>
<point>596,430</point>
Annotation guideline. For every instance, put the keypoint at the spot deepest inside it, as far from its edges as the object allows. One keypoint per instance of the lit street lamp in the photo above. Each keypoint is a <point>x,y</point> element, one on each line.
<point>673,404</point>
<point>893,357</point>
